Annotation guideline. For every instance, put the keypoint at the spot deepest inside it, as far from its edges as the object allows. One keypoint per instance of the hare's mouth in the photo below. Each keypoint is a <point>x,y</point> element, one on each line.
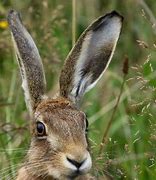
<point>74,174</point>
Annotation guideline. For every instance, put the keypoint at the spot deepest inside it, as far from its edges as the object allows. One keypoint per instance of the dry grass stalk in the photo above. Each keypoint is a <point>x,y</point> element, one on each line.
<point>73,22</point>
<point>105,135</point>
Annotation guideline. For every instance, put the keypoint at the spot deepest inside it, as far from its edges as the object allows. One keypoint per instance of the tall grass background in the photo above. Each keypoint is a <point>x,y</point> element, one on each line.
<point>129,147</point>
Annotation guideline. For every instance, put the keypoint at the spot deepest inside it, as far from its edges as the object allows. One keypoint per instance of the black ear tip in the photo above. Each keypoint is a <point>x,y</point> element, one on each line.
<point>12,12</point>
<point>13,15</point>
<point>115,13</point>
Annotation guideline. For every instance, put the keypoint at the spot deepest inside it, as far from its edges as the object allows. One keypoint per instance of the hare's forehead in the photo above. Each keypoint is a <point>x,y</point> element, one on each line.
<point>64,124</point>
<point>63,118</point>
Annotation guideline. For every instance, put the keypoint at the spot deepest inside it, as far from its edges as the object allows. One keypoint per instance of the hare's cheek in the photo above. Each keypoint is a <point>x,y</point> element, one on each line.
<point>54,172</point>
<point>53,141</point>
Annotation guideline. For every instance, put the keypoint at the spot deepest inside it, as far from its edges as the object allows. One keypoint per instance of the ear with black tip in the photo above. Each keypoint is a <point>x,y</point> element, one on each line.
<point>90,56</point>
<point>31,68</point>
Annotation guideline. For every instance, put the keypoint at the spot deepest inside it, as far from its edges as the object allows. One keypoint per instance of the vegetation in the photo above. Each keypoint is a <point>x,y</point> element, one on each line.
<point>129,149</point>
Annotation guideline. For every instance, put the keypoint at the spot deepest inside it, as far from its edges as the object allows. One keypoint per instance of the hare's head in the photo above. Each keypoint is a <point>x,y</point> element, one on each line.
<point>59,146</point>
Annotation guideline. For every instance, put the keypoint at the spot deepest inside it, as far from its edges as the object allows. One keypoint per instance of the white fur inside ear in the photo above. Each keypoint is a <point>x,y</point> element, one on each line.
<point>82,88</point>
<point>27,95</point>
<point>78,70</point>
<point>92,45</point>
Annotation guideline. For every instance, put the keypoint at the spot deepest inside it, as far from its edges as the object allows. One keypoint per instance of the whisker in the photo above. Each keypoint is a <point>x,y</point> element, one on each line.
<point>9,167</point>
<point>9,149</point>
<point>7,172</point>
<point>9,176</point>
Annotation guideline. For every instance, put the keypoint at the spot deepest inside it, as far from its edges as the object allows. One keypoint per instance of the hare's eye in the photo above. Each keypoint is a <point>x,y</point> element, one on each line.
<point>40,129</point>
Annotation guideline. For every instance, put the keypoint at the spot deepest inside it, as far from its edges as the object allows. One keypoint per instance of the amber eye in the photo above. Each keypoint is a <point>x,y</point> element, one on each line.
<point>40,129</point>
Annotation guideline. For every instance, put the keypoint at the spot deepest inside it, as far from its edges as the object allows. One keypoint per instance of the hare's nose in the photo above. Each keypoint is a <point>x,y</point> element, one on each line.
<point>77,164</point>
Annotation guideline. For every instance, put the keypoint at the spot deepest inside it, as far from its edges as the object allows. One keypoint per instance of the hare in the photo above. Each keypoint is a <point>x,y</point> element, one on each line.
<point>59,148</point>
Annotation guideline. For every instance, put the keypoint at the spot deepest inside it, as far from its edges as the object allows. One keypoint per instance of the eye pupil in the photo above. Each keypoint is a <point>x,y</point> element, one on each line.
<point>40,129</point>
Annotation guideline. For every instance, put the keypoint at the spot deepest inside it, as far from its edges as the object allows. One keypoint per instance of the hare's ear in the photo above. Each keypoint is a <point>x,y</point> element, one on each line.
<point>90,57</point>
<point>31,68</point>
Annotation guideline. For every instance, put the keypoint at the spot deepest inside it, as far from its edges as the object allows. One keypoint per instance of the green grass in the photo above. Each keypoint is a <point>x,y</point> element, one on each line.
<point>131,147</point>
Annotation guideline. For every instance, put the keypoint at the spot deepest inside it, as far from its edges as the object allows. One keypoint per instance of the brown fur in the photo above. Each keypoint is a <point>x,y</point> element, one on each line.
<point>59,115</point>
<point>24,175</point>
<point>62,152</point>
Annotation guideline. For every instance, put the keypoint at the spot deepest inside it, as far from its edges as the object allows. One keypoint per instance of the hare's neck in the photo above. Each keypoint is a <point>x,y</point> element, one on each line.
<point>23,174</point>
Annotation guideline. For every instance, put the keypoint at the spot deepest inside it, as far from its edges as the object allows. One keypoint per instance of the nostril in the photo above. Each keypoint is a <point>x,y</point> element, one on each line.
<point>75,163</point>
